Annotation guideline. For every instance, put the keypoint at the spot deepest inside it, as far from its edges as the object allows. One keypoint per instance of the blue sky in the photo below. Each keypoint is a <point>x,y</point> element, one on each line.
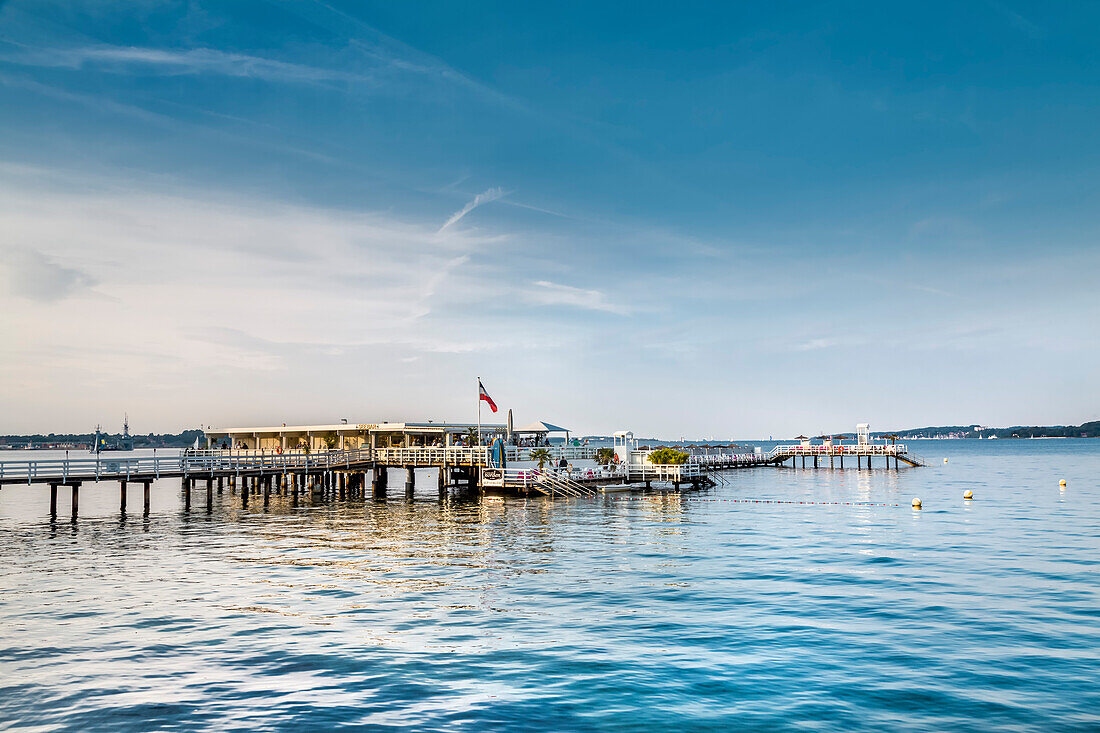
<point>718,220</point>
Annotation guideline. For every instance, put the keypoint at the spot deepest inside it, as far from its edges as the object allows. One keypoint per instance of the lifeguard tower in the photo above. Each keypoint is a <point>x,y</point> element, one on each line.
<point>624,444</point>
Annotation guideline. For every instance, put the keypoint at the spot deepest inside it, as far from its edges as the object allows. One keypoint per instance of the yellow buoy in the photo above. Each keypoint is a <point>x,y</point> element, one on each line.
<point>916,503</point>
<point>945,460</point>
<point>1062,482</point>
<point>968,494</point>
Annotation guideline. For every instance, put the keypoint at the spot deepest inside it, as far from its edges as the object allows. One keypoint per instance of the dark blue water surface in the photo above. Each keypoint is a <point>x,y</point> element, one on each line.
<point>681,612</point>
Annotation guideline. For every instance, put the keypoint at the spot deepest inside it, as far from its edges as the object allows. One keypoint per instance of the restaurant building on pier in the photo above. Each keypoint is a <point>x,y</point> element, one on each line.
<point>346,436</point>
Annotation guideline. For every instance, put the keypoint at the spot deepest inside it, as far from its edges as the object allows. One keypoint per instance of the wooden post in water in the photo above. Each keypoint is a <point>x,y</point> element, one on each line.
<point>442,481</point>
<point>221,480</point>
<point>122,496</point>
<point>410,481</point>
<point>267,491</point>
<point>76,498</point>
<point>147,483</point>
<point>53,500</point>
<point>210,494</point>
<point>187,494</point>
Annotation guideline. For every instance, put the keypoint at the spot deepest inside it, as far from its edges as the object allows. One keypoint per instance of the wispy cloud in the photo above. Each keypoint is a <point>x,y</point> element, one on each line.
<point>816,344</point>
<point>545,292</point>
<point>36,276</point>
<point>180,61</point>
<point>196,262</point>
<point>1018,21</point>
<point>482,198</point>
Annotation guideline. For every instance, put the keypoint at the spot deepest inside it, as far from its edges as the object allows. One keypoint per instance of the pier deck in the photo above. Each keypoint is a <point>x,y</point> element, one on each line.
<point>340,472</point>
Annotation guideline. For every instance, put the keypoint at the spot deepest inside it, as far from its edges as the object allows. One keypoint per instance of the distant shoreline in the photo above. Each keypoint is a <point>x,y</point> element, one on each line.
<point>185,438</point>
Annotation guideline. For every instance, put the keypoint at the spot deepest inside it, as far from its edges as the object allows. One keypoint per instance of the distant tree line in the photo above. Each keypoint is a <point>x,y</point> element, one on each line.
<point>1084,430</point>
<point>150,440</point>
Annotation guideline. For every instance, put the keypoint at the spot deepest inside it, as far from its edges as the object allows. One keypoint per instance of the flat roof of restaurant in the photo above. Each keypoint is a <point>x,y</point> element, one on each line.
<point>429,426</point>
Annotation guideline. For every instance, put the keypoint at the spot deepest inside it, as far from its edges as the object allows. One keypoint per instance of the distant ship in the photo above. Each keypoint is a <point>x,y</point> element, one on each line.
<point>104,443</point>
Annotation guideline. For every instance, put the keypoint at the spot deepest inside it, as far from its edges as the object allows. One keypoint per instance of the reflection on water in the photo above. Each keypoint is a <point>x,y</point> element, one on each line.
<point>612,613</point>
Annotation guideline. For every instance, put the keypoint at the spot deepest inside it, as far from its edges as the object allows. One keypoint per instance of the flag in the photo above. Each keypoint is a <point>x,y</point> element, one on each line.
<point>485,396</point>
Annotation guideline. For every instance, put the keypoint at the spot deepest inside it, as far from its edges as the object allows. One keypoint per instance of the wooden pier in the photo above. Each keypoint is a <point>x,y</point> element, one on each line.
<point>258,475</point>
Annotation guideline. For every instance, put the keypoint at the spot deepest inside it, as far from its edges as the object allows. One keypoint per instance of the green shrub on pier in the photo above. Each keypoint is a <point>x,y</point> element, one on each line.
<point>606,456</point>
<point>668,457</point>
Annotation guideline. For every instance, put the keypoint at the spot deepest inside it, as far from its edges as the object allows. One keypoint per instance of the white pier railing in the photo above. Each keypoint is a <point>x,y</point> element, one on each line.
<point>273,461</point>
<point>117,468</point>
<point>865,449</point>
<point>231,462</point>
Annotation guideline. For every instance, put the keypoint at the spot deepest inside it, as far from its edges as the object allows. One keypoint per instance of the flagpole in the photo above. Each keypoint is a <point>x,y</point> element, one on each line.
<point>479,411</point>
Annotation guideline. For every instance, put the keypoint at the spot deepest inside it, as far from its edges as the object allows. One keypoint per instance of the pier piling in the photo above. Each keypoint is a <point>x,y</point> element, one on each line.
<point>53,500</point>
<point>76,499</point>
<point>410,481</point>
<point>147,485</point>
<point>122,496</point>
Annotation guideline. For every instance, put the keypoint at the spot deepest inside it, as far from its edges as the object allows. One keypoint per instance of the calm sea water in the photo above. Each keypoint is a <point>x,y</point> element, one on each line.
<point>685,612</point>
